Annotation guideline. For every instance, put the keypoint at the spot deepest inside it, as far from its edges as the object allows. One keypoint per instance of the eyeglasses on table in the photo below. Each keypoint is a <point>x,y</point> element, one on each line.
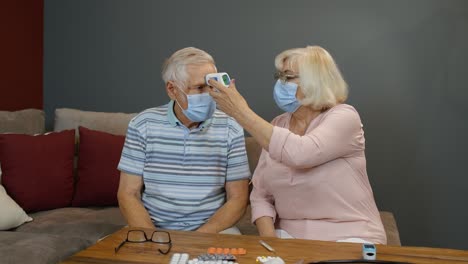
<point>139,236</point>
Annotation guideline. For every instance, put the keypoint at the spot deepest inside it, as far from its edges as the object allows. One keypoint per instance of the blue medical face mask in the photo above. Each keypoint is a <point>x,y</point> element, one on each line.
<point>285,96</point>
<point>200,107</point>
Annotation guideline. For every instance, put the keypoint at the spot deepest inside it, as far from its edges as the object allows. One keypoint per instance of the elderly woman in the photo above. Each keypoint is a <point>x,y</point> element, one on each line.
<point>311,180</point>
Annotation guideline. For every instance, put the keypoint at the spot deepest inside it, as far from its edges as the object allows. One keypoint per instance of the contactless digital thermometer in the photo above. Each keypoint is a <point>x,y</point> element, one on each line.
<point>221,77</point>
<point>369,252</point>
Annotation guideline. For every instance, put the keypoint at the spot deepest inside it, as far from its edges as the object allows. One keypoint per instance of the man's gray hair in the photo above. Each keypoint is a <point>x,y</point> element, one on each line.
<point>175,68</point>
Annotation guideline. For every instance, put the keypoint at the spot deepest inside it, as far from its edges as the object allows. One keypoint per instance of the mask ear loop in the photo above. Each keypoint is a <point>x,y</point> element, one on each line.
<point>298,100</point>
<point>177,101</point>
<point>295,95</point>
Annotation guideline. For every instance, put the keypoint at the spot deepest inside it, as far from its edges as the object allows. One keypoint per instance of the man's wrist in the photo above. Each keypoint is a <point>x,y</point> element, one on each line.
<point>206,229</point>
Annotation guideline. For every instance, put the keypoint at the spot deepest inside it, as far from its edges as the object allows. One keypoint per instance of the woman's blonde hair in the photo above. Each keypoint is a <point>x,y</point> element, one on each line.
<point>320,79</point>
<point>175,68</point>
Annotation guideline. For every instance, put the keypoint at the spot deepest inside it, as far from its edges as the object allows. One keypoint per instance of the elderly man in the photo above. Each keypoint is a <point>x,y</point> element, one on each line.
<point>184,164</point>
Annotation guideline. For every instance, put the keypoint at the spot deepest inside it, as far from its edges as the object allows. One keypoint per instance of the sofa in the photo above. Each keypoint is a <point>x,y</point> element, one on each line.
<point>48,231</point>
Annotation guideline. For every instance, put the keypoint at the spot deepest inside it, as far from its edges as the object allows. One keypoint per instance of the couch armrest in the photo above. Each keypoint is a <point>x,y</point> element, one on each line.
<point>391,229</point>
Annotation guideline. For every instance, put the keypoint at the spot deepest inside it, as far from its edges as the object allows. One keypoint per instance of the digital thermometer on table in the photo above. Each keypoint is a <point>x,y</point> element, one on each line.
<point>369,252</point>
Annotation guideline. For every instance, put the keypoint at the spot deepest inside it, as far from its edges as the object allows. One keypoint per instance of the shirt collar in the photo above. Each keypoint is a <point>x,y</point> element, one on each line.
<point>172,118</point>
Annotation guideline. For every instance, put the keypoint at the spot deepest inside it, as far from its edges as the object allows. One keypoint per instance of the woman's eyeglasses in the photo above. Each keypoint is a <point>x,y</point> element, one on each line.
<point>285,77</point>
<point>139,236</point>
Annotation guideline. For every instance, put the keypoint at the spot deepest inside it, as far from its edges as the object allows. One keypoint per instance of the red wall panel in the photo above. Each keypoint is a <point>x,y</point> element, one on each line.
<point>21,54</point>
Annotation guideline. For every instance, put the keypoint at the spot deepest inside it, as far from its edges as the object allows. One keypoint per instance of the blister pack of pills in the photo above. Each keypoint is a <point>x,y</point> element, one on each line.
<point>183,258</point>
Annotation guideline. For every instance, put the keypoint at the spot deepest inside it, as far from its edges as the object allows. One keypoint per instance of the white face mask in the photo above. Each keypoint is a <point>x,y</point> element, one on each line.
<point>285,96</point>
<point>200,107</point>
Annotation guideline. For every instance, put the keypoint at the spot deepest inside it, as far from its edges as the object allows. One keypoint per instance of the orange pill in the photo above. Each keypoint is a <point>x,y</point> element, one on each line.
<point>219,250</point>
<point>226,251</point>
<point>234,251</point>
<point>241,251</point>
<point>211,250</point>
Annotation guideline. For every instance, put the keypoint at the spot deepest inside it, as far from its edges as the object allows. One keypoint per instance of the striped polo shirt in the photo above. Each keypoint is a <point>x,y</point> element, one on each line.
<point>184,171</point>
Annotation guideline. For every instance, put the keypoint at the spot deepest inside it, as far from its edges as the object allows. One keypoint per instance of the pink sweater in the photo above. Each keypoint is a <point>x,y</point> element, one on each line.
<point>316,186</point>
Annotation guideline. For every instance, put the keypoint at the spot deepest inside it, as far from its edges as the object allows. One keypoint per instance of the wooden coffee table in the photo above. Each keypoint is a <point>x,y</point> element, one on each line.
<point>290,250</point>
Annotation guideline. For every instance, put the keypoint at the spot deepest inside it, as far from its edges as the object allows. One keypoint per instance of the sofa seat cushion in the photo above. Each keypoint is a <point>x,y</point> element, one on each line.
<point>86,223</point>
<point>19,247</point>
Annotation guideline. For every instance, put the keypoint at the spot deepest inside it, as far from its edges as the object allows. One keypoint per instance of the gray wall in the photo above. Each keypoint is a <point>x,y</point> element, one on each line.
<point>405,62</point>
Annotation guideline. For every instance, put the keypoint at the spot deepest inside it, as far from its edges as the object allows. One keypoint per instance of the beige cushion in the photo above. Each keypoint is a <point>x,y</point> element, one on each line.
<point>391,229</point>
<point>29,121</point>
<point>114,123</point>
<point>253,152</point>
<point>11,215</point>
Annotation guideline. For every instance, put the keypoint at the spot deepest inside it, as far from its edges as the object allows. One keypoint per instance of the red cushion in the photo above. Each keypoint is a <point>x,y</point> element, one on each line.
<point>98,177</point>
<point>37,171</point>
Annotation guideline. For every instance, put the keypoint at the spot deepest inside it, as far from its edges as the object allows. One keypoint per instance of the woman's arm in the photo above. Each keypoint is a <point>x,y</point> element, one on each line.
<point>231,102</point>
<point>338,135</point>
<point>263,210</point>
<point>265,226</point>
<point>262,202</point>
